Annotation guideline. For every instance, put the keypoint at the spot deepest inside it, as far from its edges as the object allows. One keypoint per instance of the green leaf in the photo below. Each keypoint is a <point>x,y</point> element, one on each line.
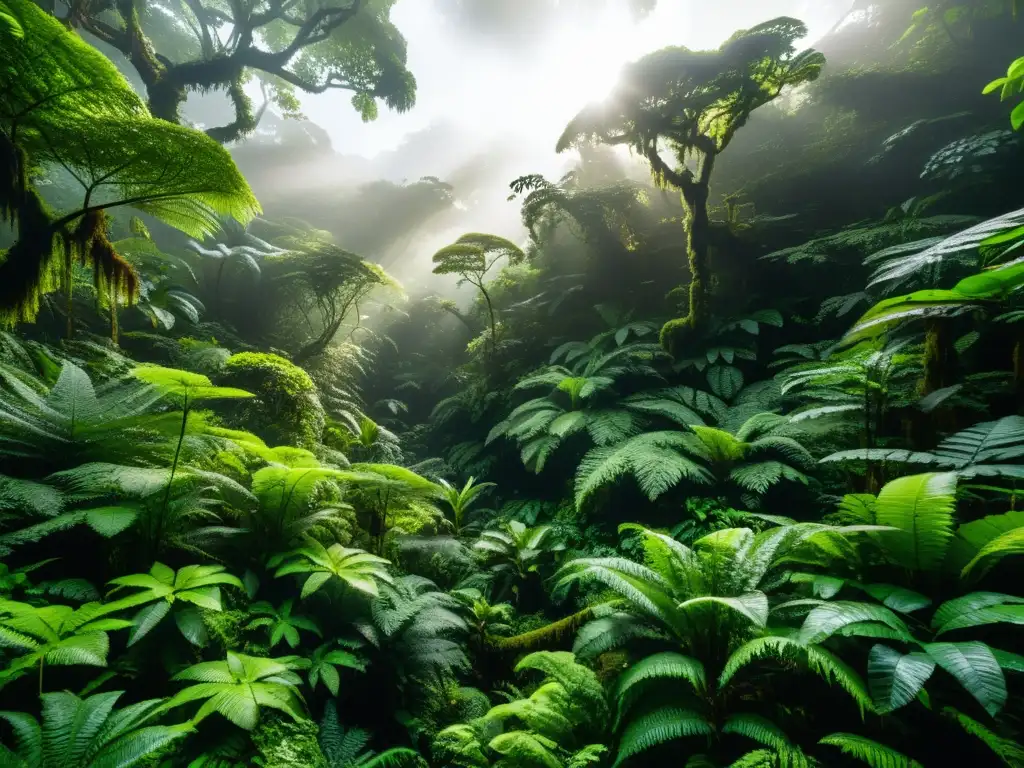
<point>110,521</point>
<point>1017,117</point>
<point>146,619</point>
<point>867,751</point>
<point>976,668</point>
<point>977,609</point>
<point>191,625</point>
<point>894,678</point>
<point>725,381</point>
<point>921,507</point>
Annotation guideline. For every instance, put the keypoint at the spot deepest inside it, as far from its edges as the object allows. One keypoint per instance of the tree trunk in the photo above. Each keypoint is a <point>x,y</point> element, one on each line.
<point>697,242</point>
<point>698,234</point>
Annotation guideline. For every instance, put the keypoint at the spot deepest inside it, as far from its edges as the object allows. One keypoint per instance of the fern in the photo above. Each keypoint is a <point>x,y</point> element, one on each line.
<point>1009,752</point>
<point>867,751</point>
<point>654,459</point>
<point>659,727</point>
<point>757,728</point>
<point>89,733</point>
<point>657,667</point>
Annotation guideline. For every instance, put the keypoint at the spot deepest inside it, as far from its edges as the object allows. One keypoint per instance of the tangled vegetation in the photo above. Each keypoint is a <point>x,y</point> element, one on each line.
<point>723,480</point>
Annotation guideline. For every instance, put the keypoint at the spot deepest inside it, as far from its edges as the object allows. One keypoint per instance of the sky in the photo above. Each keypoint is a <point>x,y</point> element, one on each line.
<point>530,89</point>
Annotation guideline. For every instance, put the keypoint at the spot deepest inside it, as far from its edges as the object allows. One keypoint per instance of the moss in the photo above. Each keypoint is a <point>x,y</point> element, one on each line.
<point>283,743</point>
<point>286,409</point>
<point>225,628</point>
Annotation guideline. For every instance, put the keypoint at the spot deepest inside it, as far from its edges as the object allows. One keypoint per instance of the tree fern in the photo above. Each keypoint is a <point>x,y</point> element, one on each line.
<point>240,686</point>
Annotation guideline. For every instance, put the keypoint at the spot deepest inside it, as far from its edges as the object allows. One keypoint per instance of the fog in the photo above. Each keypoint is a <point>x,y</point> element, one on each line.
<point>493,98</point>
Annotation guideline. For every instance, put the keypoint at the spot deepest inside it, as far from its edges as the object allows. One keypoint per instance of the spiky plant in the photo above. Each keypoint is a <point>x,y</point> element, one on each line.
<point>88,732</point>
<point>460,500</point>
<point>759,455</point>
<point>198,586</point>
<point>353,568</point>
<point>706,606</point>
<point>281,623</point>
<point>240,686</point>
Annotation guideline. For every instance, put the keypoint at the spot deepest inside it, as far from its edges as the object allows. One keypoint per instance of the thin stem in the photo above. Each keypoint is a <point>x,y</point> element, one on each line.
<point>174,467</point>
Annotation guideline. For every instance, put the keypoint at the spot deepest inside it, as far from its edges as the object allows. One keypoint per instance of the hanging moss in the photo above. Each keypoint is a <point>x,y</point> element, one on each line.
<point>28,269</point>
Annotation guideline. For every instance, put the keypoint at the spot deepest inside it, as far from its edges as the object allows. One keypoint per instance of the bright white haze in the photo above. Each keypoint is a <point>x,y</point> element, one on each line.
<point>509,102</point>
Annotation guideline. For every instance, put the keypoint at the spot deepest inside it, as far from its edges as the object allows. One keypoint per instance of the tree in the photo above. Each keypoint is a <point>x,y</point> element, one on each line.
<point>315,48</point>
<point>471,257</point>
<point>323,285</point>
<point>63,105</point>
<point>694,102</point>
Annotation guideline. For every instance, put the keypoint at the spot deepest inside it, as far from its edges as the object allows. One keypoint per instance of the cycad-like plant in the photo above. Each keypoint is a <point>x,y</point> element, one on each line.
<point>514,555</point>
<point>759,455</point>
<point>87,733</point>
<point>198,586</point>
<point>240,686</point>
<point>55,635</point>
<point>281,623</point>
<point>461,500</point>
<point>354,568</point>
<point>701,604</point>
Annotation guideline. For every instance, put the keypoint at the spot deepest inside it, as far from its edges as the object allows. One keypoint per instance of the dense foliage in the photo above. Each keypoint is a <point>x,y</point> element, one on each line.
<point>253,513</point>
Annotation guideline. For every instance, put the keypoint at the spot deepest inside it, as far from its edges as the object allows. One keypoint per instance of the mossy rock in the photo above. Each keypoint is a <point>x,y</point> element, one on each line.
<point>286,409</point>
<point>284,743</point>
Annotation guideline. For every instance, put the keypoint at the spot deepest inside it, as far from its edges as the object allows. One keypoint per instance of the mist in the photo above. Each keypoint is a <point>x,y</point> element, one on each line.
<point>492,100</point>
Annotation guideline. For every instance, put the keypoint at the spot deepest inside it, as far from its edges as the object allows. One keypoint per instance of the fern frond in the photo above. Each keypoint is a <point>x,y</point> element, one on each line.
<point>867,751</point>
